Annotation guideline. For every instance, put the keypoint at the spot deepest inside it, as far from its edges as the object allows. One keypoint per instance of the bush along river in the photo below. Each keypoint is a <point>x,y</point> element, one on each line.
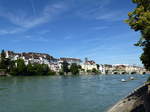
<point>92,93</point>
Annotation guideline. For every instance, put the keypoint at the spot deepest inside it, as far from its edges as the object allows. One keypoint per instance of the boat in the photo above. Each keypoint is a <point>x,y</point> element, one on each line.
<point>132,78</point>
<point>123,80</point>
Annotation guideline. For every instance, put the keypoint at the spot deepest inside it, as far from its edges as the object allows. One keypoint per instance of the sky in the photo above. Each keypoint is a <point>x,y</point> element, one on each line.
<point>70,28</point>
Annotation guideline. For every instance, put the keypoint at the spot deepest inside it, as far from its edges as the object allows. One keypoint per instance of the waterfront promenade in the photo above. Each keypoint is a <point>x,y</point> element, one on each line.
<point>136,101</point>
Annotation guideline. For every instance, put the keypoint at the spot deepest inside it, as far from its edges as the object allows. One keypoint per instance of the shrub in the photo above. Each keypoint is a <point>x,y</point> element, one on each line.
<point>148,80</point>
<point>61,73</point>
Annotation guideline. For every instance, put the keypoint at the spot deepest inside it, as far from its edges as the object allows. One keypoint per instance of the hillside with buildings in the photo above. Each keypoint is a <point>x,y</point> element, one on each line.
<point>86,66</point>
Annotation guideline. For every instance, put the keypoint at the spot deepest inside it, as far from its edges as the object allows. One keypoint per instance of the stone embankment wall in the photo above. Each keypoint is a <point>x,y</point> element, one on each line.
<point>137,101</point>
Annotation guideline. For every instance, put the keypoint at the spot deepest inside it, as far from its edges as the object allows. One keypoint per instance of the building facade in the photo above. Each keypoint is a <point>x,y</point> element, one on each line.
<point>89,65</point>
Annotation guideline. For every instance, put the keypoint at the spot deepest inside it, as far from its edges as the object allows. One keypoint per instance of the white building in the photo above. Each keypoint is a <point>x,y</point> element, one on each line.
<point>39,58</point>
<point>102,68</point>
<point>89,65</point>
<point>71,60</point>
<point>55,66</point>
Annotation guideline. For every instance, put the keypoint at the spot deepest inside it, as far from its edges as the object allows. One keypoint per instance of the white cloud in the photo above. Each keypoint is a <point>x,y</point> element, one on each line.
<point>11,31</point>
<point>24,21</point>
<point>101,11</point>
<point>111,16</point>
<point>46,15</point>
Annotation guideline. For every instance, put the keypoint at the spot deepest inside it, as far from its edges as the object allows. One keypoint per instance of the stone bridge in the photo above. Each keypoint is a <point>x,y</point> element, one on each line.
<point>129,72</point>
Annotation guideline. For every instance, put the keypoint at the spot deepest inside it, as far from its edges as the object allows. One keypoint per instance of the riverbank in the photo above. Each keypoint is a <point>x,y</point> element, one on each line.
<point>137,101</point>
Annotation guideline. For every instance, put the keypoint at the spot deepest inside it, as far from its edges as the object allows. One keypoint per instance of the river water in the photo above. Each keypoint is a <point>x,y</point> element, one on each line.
<point>64,94</point>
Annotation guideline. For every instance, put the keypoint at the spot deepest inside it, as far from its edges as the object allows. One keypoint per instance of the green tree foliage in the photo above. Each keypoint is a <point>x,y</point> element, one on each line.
<point>3,54</point>
<point>39,69</point>
<point>2,60</point>
<point>65,67</point>
<point>74,69</point>
<point>10,64</point>
<point>89,71</point>
<point>94,70</point>
<point>97,65</point>
<point>61,73</point>
<point>139,20</point>
<point>31,69</point>
<point>148,80</point>
<point>20,68</point>
<point>79,66</point>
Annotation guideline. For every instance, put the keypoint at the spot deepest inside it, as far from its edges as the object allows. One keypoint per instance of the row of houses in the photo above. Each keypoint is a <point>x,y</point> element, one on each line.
<point>121,69</point>
<point>55,64</point>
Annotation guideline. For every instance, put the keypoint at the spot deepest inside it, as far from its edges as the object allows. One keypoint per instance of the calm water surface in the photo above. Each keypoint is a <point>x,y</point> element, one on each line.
<point>64,94</point>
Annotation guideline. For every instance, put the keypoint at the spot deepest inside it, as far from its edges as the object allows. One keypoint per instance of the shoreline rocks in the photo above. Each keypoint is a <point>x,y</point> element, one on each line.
<point>137,101</point>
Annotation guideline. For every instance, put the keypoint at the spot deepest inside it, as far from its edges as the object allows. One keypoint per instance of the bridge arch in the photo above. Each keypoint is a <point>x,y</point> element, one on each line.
<point>116,73</point>
<point>133,72</point>
<point>144,73</point>
<point>124,72</point>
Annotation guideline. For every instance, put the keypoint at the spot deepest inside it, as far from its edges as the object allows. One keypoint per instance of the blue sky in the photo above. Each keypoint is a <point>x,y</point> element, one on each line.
<point>70,28</point>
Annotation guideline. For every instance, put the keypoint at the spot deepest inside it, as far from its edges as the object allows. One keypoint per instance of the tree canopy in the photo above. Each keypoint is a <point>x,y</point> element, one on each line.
<point>2,61</point>
<point>139,20</point>
<point>65,67</point>
<point>74,68</point>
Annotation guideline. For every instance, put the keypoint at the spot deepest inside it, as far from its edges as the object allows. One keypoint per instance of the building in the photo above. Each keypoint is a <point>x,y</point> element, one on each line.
<point>11,55</point>
<point>32,57</point>
<point>89,65</point>
<point>55,66</point>
<point>132,69</point>
<point>102,69</point>
<point>71,60</point>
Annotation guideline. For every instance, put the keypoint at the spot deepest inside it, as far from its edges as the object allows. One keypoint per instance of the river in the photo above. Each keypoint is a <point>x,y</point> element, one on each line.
<point>64,94</point>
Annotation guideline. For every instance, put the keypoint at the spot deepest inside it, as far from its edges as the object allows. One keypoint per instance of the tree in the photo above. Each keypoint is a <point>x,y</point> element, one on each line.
<point>2,61</point>
<point>65,67</point>
<point>148,80</point>
<point>31,69</point>
<point>46,70</point>
<point>9,64</point>
<point>94,70</point>
<point>88,71</point>
<point>139,20</point>
<point>20,68</point>
<point>3,54</point>
<point>79,66</point>
<point>74,68</point>
<point>97,65</point>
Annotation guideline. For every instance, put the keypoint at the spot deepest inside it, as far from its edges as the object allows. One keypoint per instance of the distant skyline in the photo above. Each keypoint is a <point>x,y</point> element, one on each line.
<point>70,28</point>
